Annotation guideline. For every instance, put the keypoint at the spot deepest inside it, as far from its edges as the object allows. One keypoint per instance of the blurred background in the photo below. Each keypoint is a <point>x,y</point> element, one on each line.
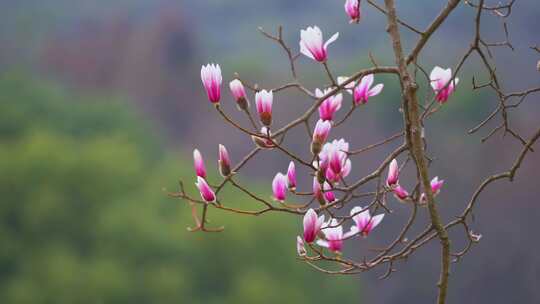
<point>101,106</point>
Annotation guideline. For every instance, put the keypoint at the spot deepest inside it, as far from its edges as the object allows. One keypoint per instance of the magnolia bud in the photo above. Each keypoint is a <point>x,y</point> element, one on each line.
<point>211,79</point>
<point>224,161</point>
<point>352,8</point>
<point>320,134</point>
<point>263,101</point>
<point>279,187</point>
<point>291,176</point>
<point>239,94</point>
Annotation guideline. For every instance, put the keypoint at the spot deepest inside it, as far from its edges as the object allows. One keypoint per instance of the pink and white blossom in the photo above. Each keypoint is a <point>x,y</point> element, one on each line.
<point>198,161</point>
<point>436,186</point>
<point>224,161</point>
<point>320,135</point>
<point>400,193</point>
<point>333,234</point>
<point>263,101</point>
<point>211,79</point>
<point>364,221</point>
<point>300,248</point>
<point>363,91</point>
<point>334,159</point>
<point>352,8</point>
<point>393,174</point>
<point>291,176</point>
<point>312,45</point>
<point>279,187</point>
<point>440,82</point>
<point>328,193</point>
<point>321,131</point>
<point>330,105</point>
<point>239,94</point>
<point>312,225</point>
<point>207,194</point>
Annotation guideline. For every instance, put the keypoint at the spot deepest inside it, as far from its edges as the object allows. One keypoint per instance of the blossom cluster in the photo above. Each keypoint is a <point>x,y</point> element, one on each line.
<point>331,158</point>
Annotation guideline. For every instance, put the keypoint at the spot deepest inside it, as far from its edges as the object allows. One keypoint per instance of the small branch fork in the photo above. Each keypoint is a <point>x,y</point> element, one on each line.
<point>414,147</point>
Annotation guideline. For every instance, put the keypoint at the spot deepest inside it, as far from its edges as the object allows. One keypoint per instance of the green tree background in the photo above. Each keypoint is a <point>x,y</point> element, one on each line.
<point>84,217</point>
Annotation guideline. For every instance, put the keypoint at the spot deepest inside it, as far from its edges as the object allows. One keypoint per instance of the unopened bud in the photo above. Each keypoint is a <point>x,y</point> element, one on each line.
<point>320,134</point>
<point>239,94</point>
<point>224,161</point>
<point>263,101</point>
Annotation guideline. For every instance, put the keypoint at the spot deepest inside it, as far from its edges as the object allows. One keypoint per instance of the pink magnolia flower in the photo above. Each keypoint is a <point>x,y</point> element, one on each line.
<point>300,248</point>
<point>211,79</point>
<point>239,94</point>
<point>330,105</point>
<point>291,176</point>
<point>311,43</point>
<point>363,91</point>
<point>331,176</point>
<point>364,221</point>
<point>393,174</point>
<point>440,79</point>
<point>198,161</point>
<point>224,161</point>
<point>207,194</point>
<point>436,186</point>
<point>263,100</point>
<point>279,187</point>
<point>337,159</point>
<point>321,131</point>
<point>333,234</point>
<point>400,193</point>
<point>328,194</point>
<point>334,159</point>
<point>320,134</point>
<point>312,225</point>
<point>352,8</point>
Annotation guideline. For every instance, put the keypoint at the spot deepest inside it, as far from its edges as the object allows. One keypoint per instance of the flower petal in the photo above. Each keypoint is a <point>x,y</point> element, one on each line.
<point>376,220</point>
<point>332,39</point>
<point>304,50</point>
<point>376,90</point>
<point>354,230</point>
<point>323,243</point>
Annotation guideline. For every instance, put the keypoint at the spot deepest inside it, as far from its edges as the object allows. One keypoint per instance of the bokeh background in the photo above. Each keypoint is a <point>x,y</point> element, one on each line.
<point>101,105</point>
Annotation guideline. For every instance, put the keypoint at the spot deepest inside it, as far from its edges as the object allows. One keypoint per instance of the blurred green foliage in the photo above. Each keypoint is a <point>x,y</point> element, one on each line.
<point>84,218</point>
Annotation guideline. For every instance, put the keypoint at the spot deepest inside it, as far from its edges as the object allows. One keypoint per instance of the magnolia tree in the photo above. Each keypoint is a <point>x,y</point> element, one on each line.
<point>331,215</point>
